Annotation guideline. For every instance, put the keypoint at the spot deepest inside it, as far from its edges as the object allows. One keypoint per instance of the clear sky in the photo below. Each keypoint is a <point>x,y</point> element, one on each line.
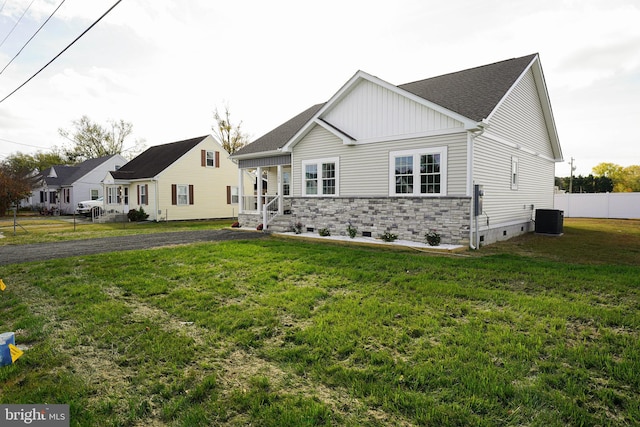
<point>165,65</point>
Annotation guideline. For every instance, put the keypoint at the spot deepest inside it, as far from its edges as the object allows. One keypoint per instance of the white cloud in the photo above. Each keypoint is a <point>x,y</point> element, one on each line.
<point>165,65</point>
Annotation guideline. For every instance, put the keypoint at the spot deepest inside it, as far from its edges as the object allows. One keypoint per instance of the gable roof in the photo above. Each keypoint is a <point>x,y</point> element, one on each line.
<point>155,159</point>
<point>67,175</point>
<point>470,95</point>
<point>473,93</point>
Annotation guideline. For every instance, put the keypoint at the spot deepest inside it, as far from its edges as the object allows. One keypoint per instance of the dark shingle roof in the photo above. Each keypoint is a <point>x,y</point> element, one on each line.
<point>473,93</point>
<point>67,175</point>
<point>280,135</point>
<point>155,159</point>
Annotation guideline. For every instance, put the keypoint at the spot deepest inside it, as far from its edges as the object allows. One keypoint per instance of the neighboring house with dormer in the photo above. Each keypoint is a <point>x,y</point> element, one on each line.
<point>413,157</point>
<point>184,180</point>
<point>61,187</point>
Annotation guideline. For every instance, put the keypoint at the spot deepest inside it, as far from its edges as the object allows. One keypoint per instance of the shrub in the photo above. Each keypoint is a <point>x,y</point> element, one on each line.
<point>236,224</point>
<point>259,227</point>
<point>387,236</point>
<point>433,238</point>
<point>324,232</point>
<point>351,230</point>
<point>297,227</point>
<point>137,215</point>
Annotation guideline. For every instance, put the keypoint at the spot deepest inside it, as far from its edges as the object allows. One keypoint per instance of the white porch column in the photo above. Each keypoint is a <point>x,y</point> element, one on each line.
<point>259,188</point>
<point>240,192</point>
<point>280,197</point>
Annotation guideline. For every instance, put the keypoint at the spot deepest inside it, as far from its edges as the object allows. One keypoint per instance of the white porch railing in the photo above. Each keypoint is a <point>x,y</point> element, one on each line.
<point>270,210</point>
<point>269,206</point>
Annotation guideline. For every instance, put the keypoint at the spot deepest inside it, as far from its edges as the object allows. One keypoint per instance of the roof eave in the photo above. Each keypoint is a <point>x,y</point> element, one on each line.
<point>257,155</point>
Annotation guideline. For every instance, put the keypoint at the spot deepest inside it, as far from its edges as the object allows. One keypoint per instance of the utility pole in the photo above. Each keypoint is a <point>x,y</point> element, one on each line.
<point>573,168</point>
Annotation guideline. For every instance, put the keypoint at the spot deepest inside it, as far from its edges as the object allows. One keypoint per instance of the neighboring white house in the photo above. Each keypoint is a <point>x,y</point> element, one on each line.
<point>406,159</point>
<point>190,179</point>
<point>61,187</point>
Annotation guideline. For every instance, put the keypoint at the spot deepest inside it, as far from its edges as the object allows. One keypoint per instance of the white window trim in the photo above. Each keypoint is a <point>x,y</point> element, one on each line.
<point>213,159</point>
<point>515,173</point>
<point>143,195</point>
<point>112,195</point>
<point>235,195</point>
<point>318,163</point>
<point>416,153</point>
<point>178,187</point>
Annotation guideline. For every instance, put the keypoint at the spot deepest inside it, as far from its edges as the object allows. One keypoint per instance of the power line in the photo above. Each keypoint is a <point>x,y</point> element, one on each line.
<point>63,51</point>
<point>26,145</point>
<point>34,34</point>
<point>17,22</point>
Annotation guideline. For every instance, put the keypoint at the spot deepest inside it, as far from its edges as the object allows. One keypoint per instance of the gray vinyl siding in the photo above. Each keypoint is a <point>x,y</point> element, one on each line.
<point>364,169</point>
<point>519,119</point>
<point>492,169</point>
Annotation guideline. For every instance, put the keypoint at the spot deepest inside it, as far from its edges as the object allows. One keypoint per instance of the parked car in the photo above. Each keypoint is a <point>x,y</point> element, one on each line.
<point>85,207</point>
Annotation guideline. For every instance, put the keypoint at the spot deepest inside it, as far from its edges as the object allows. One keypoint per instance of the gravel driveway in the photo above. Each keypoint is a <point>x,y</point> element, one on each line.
<point>15,254</point>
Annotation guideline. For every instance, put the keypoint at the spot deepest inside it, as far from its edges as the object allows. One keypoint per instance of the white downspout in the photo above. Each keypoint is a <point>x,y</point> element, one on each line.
<point>155,200</point>
<point>471,136</point>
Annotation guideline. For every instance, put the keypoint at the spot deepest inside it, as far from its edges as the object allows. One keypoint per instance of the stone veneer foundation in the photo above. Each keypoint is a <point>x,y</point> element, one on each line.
<point>408,217</point>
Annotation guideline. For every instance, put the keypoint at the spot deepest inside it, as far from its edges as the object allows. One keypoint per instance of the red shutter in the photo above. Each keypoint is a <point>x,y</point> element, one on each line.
<point>228,194</point>
<point>217,159</point>
<point>190,194</point>
<point>146,193</point>
<point>174,194</point>
<point>203,158</point>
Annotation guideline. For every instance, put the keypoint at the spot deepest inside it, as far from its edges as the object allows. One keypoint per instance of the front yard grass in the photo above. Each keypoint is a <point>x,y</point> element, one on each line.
<point>30,229</point>
<point>535,331</point>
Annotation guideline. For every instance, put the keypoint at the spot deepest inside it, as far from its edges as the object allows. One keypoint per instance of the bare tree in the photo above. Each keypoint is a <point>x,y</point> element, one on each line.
<point>230,136</point>
<point>92,140</point>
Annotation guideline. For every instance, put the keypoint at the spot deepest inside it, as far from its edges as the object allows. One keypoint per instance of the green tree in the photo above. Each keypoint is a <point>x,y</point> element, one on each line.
<point>625,179</point>
<point>629,179</point>
<point>230,136</point>
<point>35,162</point>
<point>91,140</point>
<point>15,185</point>
<point>586,184</point>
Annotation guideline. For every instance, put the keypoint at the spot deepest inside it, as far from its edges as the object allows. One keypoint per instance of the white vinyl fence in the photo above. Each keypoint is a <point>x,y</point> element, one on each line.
<point>599,205</point>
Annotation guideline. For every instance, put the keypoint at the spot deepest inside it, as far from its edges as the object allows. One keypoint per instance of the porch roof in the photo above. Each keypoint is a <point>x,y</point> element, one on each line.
<point>278,137</point>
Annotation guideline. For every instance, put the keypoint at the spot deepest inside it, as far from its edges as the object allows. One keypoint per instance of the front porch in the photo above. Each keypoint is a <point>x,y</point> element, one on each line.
<point>268,199</point>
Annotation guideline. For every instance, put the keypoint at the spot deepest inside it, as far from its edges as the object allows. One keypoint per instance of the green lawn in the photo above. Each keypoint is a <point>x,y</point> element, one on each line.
<point>37,229</point>
<point>536,331</point>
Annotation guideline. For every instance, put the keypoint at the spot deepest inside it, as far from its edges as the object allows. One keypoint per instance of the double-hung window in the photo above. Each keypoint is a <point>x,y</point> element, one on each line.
<point>183,194</point>
<point>112,196</point>
<point>320,177</point>
<point>421,172</point>
<point>211,159</point>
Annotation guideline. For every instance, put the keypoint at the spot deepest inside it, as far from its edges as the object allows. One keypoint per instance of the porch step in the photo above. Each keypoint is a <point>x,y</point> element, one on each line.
<point>280,224</point>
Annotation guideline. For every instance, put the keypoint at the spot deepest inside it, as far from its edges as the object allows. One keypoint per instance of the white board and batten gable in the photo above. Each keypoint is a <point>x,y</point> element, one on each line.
<point>367,109</point>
